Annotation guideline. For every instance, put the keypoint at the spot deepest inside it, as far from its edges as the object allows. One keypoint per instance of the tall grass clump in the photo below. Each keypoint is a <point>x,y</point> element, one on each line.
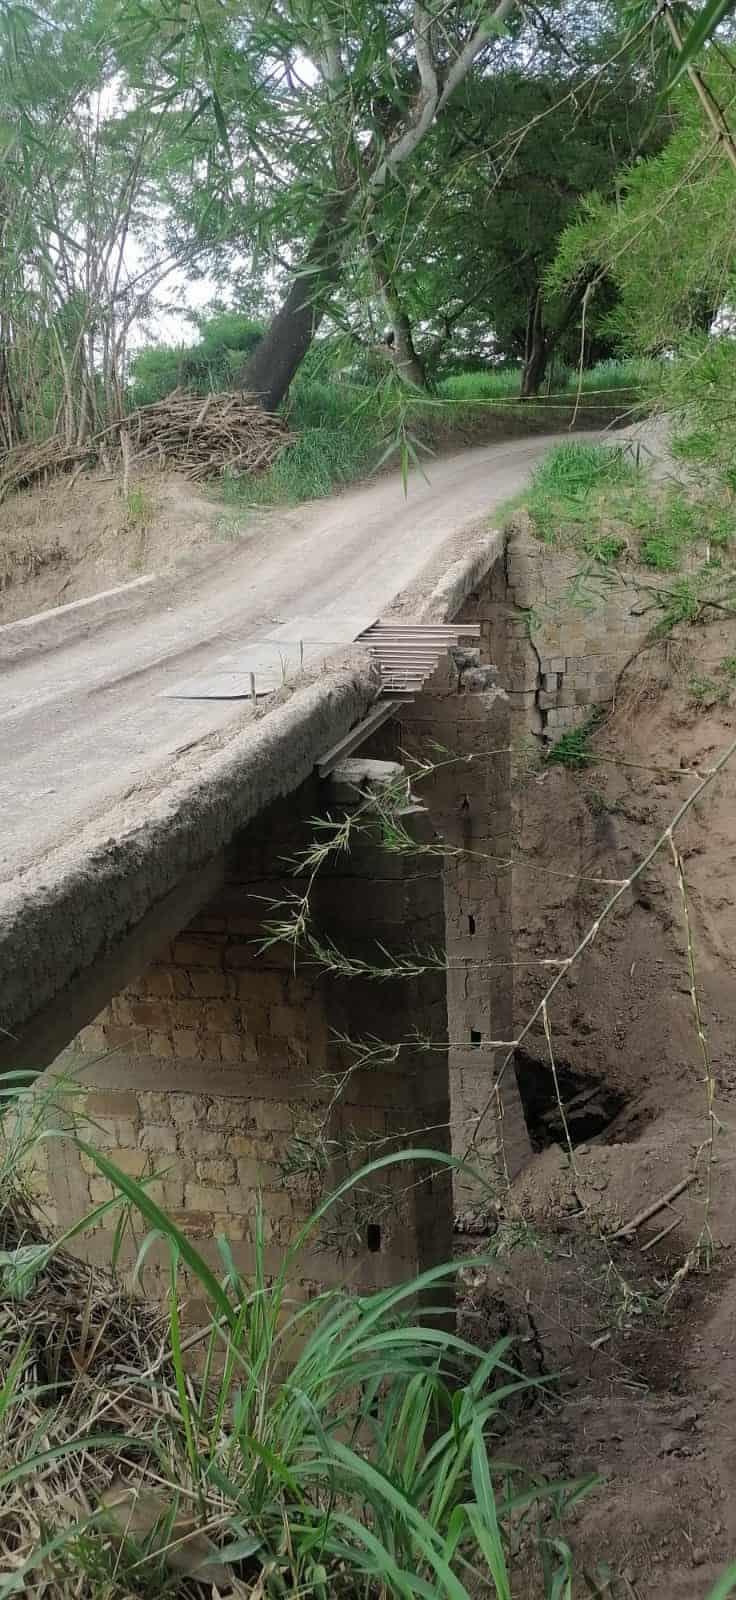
<point>342,1446</point>
<point>500,383</point>
<point>566,483</point>
<point>608,378</point>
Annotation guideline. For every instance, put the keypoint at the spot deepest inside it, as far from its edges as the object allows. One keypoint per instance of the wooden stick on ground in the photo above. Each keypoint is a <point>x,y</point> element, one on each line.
<point>651,1211</point>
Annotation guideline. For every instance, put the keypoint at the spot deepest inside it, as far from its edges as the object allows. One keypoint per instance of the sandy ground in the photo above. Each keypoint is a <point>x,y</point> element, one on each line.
<point>637,1338</point>
<point>83,724</point>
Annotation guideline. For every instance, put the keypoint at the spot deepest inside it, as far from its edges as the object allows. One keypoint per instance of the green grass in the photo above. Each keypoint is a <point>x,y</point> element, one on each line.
<point>597,500</point>
<point>502,384</point>
<point>343,1447</point>
<point>567,488</point>
<point>608,378</point>
<point>706,692</point>
<point>139,507</point>
<point>573,749</point>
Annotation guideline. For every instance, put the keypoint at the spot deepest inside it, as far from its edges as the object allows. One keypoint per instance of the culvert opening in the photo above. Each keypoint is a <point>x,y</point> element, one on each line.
<point>590,1104</point>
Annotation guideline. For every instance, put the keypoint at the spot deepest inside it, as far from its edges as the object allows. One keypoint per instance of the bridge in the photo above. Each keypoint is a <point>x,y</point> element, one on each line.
<point>167,748</point>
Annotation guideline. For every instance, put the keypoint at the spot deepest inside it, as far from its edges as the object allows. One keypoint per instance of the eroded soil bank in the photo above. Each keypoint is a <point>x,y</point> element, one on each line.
<point>637,1333</point>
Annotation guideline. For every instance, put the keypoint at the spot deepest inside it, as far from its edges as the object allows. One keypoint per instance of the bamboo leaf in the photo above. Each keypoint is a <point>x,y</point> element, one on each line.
<point>703,28</point>
<point>138,1196</point>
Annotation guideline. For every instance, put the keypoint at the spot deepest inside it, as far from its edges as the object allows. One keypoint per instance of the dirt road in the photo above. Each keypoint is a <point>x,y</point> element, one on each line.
<point>88,722</point>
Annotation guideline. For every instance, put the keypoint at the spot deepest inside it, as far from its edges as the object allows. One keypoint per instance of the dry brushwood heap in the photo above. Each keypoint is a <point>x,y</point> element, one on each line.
<point>88,1395</point>
<point>227,432</point>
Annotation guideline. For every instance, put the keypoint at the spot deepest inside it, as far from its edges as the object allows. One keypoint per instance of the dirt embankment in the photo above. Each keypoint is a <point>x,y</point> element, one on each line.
<point>641,1331</point>
<point>75,537</point>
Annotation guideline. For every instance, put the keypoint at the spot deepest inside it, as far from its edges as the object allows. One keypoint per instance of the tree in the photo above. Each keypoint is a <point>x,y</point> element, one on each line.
<point>489,206</point>
<point>399,77</point>
<point>80,251</point>
<point>667,242</point>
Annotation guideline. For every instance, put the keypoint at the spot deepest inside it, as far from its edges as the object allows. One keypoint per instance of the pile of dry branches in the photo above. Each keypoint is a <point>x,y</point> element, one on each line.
<point>30,463</point>
<point>85,1386</point>
<point>204,438</point>
<point>225,432</point>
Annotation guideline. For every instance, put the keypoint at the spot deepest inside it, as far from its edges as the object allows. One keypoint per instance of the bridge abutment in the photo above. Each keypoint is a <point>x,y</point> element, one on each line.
<point>227,1069</point>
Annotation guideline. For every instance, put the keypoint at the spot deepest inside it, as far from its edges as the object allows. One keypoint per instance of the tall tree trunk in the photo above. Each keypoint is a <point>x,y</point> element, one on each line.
<point>269,370</point>
<point>406,359</point>
<point>536,351</point>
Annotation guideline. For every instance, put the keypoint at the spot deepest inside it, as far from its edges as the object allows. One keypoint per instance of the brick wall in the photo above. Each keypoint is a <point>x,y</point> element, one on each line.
<point>219,1061</point>
<point>560,640</point>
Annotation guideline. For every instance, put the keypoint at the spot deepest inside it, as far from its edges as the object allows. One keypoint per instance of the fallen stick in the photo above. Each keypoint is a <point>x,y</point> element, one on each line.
<point>663,1232</point>
<point>651,1211</point>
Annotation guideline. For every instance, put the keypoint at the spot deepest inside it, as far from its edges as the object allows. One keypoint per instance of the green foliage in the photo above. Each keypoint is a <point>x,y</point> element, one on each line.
<point>225,340</point>
<point>573,749</point>
<point>661,550</point>
<point>606,381</point>
<point>342,1447</point>
<point>605,548</point>
<point>346,429</point>
<point>706,692</point>
<point>681,603</point>
<point>501,383</point>
<point>577,468</point>
<point>468,249</point>
<point>139,507</point>
<point>599,502</point>
<point>697,390</point>
<point>666,241</point>
<point>566,488</point>
<point>725,1585</point>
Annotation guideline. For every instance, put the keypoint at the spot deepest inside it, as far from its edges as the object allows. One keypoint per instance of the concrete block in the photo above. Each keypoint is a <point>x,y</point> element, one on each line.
<point>253,1172</point>
<point>201,952</point>
<point>220,1170</point>
<point>161,1140</point>
<point>276,1115</point>
<point>244,1144</point>
<point>207,985</point>
<point>198,1141</point>
<point>159,1044</point>
<point>107,1104</point>
<point>185,1043</point>
<point>204,1198</point>
<point>183,1109</point>
<point>154,1106</point>
<point>134,1162</point>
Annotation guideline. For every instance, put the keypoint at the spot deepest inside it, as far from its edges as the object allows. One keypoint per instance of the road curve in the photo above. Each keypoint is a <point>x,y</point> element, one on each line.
<point>87,723</point>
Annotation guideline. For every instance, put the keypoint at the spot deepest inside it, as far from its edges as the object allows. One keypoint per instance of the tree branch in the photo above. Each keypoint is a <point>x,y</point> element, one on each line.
<point>432,100</point>
<point>485,31</point>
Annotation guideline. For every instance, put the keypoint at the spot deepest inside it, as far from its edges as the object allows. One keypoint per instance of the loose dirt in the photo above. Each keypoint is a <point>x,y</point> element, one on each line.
<point>77,536</point>
<point>635,1337</point>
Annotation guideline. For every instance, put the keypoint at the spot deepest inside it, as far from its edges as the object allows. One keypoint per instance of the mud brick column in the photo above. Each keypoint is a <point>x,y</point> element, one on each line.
<point>469,803</point>
<point>216,1069</point>
<point>381,907</point>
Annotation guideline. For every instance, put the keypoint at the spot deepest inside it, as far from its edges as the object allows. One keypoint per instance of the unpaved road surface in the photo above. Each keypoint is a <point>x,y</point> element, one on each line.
<point>86,723</point>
